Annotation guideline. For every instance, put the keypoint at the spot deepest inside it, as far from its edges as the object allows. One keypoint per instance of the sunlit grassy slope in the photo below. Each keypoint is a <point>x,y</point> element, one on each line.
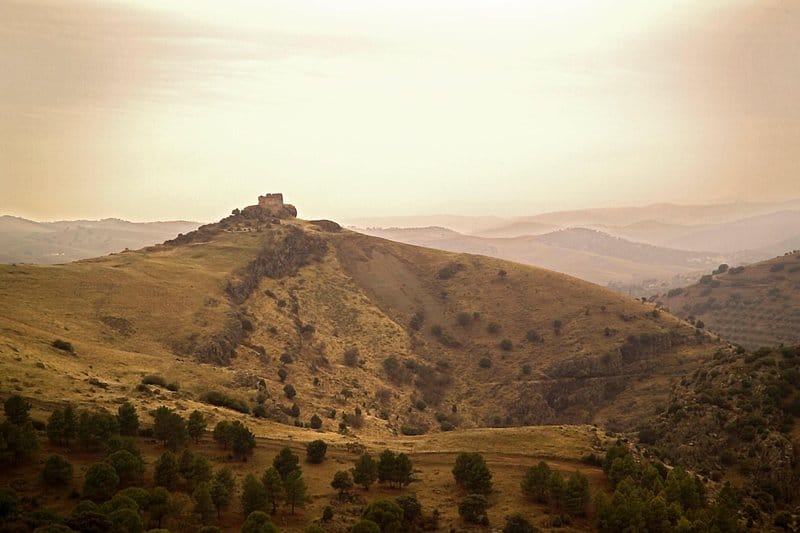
<point>144,312</point>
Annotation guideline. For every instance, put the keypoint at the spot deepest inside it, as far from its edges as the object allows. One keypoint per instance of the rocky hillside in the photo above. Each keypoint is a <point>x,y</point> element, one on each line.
<point>755,305</point>
<point>288,319</point>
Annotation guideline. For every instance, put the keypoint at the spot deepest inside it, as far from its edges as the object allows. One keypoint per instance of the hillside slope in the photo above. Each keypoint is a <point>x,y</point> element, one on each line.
<point>410,336</point>
<point>757,305</point>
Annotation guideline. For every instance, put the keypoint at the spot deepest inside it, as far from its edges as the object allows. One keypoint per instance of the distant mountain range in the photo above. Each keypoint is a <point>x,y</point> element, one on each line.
<point>26,241</point>
<point>637,250</point>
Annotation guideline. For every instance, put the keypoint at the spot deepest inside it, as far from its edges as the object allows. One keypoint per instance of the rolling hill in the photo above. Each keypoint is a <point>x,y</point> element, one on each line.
<point>584,253</point>
<point>274,320</point>
<point>252,296</point>
<point>754,306</point>
<point>26,241</point>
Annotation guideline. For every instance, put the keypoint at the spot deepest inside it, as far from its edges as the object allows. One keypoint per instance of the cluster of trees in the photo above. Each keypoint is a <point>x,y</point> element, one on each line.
<point>650,497</point>
<point>18,440</point>
<point>112,501</point>
<point>282,483</point>
<point>543,485</point>
<point>236,437</point>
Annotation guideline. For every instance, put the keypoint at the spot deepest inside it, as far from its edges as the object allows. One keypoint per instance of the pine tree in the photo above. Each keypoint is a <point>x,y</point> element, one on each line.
<point>286,462</point>
<point>196,425</point>
<point>203,503</point>
<point>273,484</point>
<point>222,489</point>
<point>295,489</point>
<point>128,420</point>
<point>166,471</point>
<point>365,472</point>
<point>254,497</point>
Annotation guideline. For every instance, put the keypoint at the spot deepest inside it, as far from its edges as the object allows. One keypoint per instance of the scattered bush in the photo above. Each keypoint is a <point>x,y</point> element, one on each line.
<point>63,345</point>
<point>221,399</point>
<point>315,451</point>
<point>485,362</point>
<point>506,345</point>
<point>493,328</point>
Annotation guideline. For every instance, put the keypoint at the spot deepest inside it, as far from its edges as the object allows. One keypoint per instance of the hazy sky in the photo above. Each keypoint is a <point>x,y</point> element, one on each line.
<point>148,109</point>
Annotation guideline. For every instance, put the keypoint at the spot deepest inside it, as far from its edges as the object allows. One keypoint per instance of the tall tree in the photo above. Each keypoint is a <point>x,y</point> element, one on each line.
<point>295,489</point>
<point>273,484</point>
<point>128,420</point>
<point>365,472</point>
<point>254,497</point>
<point>196,425</point>
<point>286,462</point>
<point>222,489</point>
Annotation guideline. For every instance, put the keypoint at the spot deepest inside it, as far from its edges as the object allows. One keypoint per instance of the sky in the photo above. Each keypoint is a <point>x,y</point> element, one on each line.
<point>154,109</point>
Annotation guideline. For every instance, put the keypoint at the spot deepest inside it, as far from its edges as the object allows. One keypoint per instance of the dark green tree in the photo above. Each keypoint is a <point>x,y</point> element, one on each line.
<point>576,494</point>
<point>342,482</point>
<point>96,429</point>
<point>125,519</point>
<point>365,526</point>
<point>196,425</point>
<point>194,468</point>
<point>386,513</point>
<point>365,472</point>
<point>273,485</point>
<point>127,466</point>
<point>412,511</point>
<point>471,473</point>
<point>295,489</point>
<point>242,441</point>
<point>315,451</point>
<point>57,470</point>
<point>100,482</point>
<point>160,504</point>
<point>16,408</point>
<point>472,509</point>
<point>166,471</point>
<point>286,462</point>
<point>204,503</point>
<point>222,488</point>
<point>258,522</point>
<point>222,433</point>
<point>170,428</point>
<point>9,503</point>
<point>128,420</point>
<point>534,482</point>
<point>517,523</point>
<point>254,497</point>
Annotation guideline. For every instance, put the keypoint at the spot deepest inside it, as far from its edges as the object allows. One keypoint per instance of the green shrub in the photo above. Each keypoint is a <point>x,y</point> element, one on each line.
<point>506,345</point>
<point>485,362</point>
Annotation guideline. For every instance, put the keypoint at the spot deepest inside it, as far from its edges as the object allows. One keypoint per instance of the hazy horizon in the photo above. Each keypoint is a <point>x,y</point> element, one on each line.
<point>146,110</point>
